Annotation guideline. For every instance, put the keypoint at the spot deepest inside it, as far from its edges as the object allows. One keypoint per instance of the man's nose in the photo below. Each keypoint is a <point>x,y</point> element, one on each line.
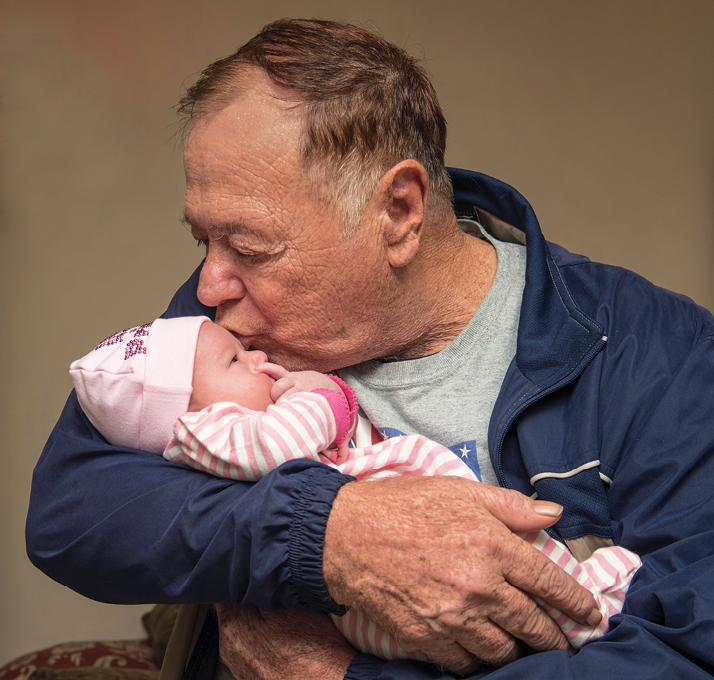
<point>219,280</point>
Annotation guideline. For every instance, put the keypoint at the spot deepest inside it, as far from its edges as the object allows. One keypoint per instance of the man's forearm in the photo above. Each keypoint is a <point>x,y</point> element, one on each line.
<point>291,645</point>
<point>128,527</point>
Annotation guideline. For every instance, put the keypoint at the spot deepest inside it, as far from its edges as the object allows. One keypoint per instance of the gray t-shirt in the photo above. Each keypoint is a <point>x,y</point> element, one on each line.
<point>449,396</point>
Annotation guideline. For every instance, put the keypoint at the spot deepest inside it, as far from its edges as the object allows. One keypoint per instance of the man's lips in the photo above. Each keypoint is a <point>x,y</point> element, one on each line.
<point>246,341</point>
<point>243,339</point>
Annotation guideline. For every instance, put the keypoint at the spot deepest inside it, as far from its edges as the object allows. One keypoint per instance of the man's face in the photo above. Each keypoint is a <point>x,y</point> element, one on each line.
<point>282,275</point>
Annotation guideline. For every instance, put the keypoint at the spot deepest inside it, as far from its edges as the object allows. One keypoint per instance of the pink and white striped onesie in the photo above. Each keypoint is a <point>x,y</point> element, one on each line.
<point>231,441</point>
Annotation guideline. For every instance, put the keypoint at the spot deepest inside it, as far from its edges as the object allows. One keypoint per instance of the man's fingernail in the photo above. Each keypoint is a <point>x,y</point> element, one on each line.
<point>594,618</point>
<point>547,508</point>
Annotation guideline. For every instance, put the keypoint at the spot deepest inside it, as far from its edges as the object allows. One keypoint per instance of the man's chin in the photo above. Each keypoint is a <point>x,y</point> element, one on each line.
<point>249,342</point>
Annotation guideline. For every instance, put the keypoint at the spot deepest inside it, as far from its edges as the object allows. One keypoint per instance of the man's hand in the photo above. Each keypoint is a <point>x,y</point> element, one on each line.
<point>433,560</point>
<point>257,644</point>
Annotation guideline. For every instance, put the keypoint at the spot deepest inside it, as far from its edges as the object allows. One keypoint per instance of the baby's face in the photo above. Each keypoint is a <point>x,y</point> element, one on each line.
<point>224,371</point>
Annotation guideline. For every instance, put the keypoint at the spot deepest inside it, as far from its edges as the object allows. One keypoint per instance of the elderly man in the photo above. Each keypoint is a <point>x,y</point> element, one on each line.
<point>315,178</point>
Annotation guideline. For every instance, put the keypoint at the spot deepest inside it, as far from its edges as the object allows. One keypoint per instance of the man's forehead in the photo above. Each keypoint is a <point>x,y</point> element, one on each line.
<point>249,150</point>
<point>249,83</point>
<point>258,106</point>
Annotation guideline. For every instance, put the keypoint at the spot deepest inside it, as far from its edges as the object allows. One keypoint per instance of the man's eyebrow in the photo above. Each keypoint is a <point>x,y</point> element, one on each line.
<point>186,220</point>
<point>228,229</point>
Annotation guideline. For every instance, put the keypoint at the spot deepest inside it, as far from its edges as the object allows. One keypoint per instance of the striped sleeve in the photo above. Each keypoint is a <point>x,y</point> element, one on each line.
<point>230,441</point>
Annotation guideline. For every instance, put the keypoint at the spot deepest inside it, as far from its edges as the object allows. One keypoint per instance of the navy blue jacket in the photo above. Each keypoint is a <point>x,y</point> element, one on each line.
<point>608,409</point>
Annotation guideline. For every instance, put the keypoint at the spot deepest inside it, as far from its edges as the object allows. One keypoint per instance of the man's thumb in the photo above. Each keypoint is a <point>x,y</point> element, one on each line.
<point>517,511</point>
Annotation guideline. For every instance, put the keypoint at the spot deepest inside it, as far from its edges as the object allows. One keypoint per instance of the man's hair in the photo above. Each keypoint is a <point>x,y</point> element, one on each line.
<point>367,105</point>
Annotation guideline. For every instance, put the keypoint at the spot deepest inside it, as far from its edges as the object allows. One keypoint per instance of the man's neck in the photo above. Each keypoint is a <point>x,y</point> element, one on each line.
<point>454,273</point>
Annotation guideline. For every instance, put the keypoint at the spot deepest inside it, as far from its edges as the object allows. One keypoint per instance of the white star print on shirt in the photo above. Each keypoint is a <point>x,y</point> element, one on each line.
<point>464,451</point>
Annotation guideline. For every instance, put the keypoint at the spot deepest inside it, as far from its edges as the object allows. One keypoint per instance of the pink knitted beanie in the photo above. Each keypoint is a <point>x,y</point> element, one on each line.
<point>135,384</point>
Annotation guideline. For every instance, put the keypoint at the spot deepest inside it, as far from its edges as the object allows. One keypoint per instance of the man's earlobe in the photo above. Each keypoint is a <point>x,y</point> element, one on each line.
<point>407,190</point>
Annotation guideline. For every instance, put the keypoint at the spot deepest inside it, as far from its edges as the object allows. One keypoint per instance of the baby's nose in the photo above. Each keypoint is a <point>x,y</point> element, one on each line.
<point>257,357</point>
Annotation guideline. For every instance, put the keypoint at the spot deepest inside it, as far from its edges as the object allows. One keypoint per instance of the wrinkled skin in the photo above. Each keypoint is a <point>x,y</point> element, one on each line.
<point>282,274</point>
<point>439,588</point>
<point>435,562</point>
<point>255,643</point>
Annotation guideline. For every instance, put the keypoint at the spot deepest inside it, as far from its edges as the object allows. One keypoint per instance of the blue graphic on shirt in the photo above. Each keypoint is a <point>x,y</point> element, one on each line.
<point>389,432</point>
<point>466,451</point>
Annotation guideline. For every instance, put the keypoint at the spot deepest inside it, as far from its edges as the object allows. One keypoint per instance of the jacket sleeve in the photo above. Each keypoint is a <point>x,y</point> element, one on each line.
<point>125,526</point>
<point>650,400</point>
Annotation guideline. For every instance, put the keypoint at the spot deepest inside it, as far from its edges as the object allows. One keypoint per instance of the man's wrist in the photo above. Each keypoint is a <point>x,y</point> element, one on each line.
<point>337,531</point>
<point>306,539</point>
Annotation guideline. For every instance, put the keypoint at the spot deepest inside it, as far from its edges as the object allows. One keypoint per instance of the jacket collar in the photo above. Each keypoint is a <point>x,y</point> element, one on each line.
<point>554,336</point>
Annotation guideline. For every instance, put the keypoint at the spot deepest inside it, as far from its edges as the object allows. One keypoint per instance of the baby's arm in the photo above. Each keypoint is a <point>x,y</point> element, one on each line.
<point>339,395</point>
<point>231,441</point>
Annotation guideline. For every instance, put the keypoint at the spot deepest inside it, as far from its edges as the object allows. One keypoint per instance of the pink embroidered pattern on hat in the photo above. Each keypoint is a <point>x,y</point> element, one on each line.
<point>134,346</point>
<point>113,339</point>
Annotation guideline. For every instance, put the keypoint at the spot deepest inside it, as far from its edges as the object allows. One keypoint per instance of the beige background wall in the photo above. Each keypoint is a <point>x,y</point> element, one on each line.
<point>600,113</point>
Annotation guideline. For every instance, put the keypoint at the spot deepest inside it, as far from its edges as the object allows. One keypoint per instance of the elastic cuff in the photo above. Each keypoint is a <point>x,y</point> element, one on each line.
<point>306,539</point>
<point>364,667</point>
<point>349,393</point>
<point>352,408</point>
<point>341,410</point>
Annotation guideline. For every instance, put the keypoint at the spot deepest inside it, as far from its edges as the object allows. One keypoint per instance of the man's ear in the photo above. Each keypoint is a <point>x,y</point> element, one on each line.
<point>404,192</point>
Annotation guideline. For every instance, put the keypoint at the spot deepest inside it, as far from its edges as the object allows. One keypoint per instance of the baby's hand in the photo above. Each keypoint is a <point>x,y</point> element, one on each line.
<point>287,382</point>
<point>282,377</point>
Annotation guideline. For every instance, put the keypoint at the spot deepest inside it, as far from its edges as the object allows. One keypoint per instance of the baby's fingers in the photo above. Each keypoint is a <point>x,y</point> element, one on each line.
<point>282,387</point>
<point>273,370</point>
